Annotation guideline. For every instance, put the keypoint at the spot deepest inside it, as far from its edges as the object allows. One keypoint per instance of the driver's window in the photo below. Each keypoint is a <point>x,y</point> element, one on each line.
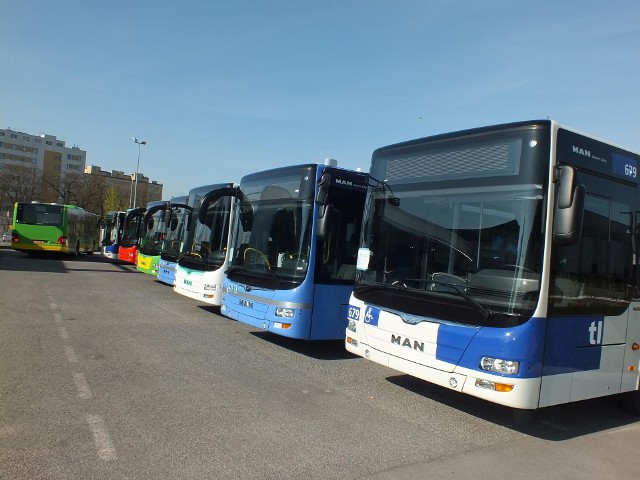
<point>337,253</point>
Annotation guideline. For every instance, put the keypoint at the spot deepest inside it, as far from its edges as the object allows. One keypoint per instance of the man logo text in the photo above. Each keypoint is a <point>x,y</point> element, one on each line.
<point>406,342</point>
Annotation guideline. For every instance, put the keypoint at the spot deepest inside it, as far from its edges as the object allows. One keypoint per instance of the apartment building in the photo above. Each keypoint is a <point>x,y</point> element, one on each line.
<point>144,192</point>
<point>46,154</point>
<point>43,168</point>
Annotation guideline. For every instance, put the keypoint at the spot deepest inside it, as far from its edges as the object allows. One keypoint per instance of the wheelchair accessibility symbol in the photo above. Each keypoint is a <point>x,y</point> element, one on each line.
<point>371,316</point>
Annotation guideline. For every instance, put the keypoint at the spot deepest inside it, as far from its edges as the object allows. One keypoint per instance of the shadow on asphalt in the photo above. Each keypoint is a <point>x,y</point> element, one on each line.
<point>11,260</point>
<point>213,309</point>
<point>319,349</point>
<point>557,423</point>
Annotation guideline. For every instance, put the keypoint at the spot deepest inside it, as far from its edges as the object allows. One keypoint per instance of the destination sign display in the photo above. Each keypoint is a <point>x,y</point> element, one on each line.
<point>585,152</point>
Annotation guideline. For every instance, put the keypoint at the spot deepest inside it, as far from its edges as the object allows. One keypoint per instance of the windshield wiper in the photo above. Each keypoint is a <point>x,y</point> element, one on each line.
<point>458,289</point>
<point>484,311</point>
<point>249,271</point>
<point>383,286</point>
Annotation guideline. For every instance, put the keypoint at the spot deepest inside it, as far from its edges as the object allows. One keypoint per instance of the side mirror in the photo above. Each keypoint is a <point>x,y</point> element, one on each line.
<point>569,208</point>
<point>324,183</point>
<point>325,217</point>
<point>246,210</point>
<point>325,209</point>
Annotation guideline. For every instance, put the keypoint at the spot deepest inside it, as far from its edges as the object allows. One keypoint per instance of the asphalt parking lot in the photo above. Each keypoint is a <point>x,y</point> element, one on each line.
<point>106,373</point>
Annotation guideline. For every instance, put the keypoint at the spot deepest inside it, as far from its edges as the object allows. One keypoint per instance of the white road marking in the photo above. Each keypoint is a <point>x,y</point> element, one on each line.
<point>57,317</point>
<point>64,335</point>
<point>84,392</point>
<point>104,445</point>
<point>70,354</point>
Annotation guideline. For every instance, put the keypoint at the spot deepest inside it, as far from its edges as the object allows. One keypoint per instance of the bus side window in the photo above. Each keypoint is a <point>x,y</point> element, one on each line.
<point>596,274</point>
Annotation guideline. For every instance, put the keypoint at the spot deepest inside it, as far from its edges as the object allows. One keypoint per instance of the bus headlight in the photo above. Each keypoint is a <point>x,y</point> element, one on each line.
<point>498,365</point>
<point>285,312</point>
<point>352,325</point>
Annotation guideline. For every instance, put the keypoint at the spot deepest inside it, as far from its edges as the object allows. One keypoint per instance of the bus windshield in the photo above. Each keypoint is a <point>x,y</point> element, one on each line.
<point>209,245</point>
<point>272,228</point>
<point>475,241</point>
<point>132,227</point>
<point>112,224</point>
<point>155,228</point>
<point>40,214</point>
<point>179,216</point>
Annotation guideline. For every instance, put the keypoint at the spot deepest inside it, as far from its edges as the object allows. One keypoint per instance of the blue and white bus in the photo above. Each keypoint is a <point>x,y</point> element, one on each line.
<point>111,233</point>
<point>501,262</point>
<point>293,250</point>
<point>200,270</point>
<point>178,217</point>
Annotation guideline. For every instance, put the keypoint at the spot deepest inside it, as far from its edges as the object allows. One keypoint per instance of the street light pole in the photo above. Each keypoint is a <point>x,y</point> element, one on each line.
<point>135,188</point>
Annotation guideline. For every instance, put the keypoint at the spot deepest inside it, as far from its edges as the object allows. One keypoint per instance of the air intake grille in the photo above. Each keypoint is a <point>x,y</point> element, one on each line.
<point>495,159</point>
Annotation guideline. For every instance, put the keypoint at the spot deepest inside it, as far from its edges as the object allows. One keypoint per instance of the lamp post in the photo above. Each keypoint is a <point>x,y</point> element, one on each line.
<point>135,188</point>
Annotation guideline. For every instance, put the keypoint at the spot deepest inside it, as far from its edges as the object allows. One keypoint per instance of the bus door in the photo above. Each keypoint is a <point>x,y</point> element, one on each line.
<point>340,198</point>
<point>589,297</point>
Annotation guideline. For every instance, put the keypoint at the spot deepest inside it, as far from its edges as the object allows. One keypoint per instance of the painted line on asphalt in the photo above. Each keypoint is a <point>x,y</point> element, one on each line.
<point>70,354</point>
<point>64,335</point>
<point>101,438</point>
<point>53,306</point>
<point>84,392</point>
<point>57,317</point>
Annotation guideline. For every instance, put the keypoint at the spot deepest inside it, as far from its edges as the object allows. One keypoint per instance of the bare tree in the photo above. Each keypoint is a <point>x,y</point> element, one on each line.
<point>93,195</point>
<point>68,187</point>
<point>19,184</point>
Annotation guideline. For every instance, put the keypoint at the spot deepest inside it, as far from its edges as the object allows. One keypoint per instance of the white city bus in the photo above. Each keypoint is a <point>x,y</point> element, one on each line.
<point>200,269</point>
<point>501,262</point>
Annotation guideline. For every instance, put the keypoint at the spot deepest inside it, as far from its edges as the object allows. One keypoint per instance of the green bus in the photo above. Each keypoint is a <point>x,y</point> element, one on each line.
<point>53,227</point>
<point>154,225</point>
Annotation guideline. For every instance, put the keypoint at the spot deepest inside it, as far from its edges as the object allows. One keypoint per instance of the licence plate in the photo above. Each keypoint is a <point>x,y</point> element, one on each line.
<point>246,303</point>
<point>39,242</point>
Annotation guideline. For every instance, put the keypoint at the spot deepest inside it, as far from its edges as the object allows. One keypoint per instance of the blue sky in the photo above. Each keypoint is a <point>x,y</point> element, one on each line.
<point>223,88</point>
